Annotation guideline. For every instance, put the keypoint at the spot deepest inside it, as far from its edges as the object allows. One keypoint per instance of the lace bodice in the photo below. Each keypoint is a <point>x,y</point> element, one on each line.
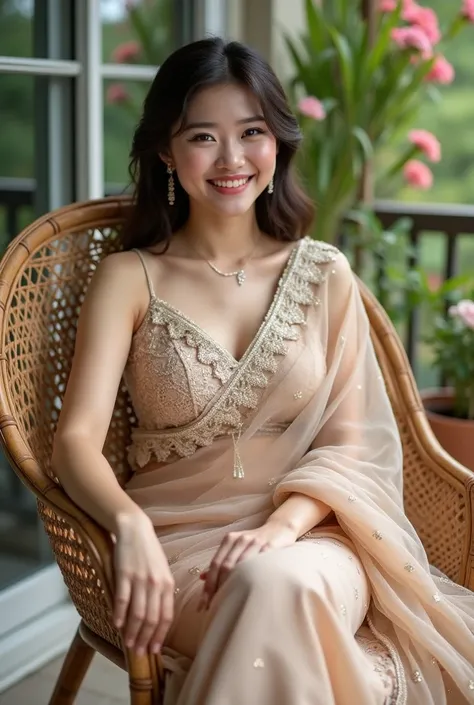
<point>186,389</point>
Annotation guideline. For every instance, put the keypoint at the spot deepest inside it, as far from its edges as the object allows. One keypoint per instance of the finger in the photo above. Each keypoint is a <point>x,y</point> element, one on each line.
<point>165,618</point>
<point>151,619</point>
<point>213,571</point>
<point>122,599</point>
<point>136,613</point>
<point>228,563</point>
<point>231,560</point>
<point>252,550</point>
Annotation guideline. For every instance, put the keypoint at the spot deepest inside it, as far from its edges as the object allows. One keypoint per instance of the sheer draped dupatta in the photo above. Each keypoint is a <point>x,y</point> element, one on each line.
<point>354,464</point>
<point>313,417</point>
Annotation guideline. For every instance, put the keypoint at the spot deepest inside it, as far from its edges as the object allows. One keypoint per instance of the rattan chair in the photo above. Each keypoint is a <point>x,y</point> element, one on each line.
<point>43,277</point>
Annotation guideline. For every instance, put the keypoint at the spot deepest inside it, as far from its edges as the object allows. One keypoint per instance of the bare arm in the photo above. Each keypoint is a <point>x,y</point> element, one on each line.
<point>299,514</point>
<point>103,340</point>
<point>144,599</point>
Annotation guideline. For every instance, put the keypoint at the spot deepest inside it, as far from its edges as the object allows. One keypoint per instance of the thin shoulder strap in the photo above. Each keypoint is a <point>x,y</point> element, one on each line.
<point>147,274</point>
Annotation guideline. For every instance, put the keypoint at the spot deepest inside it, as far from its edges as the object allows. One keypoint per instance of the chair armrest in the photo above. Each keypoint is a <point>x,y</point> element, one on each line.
<point>438,491</point>
<point>83,550</point>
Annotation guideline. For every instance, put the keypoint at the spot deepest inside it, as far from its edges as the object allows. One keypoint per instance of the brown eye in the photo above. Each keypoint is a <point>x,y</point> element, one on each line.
<point>202,138</point>
<point>253,132</point>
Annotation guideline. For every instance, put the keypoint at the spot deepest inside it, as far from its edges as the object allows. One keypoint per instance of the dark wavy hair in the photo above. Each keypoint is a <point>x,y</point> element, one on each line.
<point>287,214</point>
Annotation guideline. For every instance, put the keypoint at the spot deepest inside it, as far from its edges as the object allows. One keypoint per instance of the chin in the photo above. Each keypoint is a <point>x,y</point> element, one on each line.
<point>234,209</point>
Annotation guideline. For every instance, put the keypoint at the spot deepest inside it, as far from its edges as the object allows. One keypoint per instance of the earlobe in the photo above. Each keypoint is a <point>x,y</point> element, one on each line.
<point>166,159</point>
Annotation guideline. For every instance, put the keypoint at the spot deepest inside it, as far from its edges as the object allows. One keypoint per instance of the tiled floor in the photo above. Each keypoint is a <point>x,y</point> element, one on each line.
<point>105,684</point>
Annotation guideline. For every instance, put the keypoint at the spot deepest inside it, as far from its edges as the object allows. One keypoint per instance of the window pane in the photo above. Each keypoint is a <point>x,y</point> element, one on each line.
<point>122,109</point>
<point>25,32</point>
<point>139,31</point>
<point>26,191</point>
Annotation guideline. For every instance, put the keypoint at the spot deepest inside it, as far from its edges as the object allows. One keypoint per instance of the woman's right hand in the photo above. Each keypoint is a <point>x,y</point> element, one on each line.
<point>144,595</point>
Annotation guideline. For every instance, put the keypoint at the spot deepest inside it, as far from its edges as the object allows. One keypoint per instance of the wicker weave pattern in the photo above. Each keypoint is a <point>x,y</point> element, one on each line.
<point>43,278</point>
<point>38,344</point>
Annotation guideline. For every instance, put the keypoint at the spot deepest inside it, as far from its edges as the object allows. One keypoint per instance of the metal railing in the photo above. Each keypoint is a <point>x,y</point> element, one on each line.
<point>452,223</point>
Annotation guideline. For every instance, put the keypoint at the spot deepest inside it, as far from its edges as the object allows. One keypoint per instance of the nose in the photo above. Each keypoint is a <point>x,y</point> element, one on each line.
<point>231,155</point>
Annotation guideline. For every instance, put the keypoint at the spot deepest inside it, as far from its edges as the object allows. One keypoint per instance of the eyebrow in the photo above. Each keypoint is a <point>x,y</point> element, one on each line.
<point>244,121</point>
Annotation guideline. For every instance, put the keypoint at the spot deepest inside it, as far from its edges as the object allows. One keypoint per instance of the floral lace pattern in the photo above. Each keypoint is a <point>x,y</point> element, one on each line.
<point>384,666</point>
<point>231,389</point>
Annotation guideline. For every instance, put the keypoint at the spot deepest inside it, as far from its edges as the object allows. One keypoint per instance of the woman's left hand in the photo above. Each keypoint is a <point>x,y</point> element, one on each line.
<point>238,546</point>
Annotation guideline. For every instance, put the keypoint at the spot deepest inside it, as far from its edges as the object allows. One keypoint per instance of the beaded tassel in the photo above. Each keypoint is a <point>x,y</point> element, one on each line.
<point>238,473</point>
<point>171,194</point>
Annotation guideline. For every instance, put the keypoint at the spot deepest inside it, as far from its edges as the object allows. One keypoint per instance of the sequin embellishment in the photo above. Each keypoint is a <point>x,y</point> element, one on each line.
<point>409,567</point>
<point>195,570</point>
<point>377,535</point>
<point>417,677</point>
<point>259,663</point>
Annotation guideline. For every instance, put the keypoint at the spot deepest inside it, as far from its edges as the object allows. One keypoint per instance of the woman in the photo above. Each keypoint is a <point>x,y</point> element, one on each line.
<point>261,543</point>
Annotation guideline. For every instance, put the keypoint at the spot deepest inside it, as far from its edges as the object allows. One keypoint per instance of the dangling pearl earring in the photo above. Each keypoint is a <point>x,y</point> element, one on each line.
<point>171,194</point>
<point>271,185</point>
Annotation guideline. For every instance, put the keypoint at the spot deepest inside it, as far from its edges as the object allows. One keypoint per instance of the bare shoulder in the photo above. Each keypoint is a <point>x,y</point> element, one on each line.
<point>119,282</point>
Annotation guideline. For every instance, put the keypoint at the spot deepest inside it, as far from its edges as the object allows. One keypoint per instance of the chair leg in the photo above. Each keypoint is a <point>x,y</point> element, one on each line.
<point>143,679</point>
<point>73,670</point>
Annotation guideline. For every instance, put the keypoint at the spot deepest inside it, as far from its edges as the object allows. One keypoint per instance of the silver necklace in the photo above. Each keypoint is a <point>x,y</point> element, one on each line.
<point>239,274</point>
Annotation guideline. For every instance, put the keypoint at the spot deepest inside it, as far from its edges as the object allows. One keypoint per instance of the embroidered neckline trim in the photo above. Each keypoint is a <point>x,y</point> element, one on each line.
<point>252,373</point>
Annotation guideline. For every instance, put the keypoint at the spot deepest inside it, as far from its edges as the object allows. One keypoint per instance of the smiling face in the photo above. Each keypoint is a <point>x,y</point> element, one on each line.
<point>225,155</point>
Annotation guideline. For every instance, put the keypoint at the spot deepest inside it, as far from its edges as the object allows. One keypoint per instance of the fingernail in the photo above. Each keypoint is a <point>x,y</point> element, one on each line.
<point>156,648</point>
<point>140,651</point>
<point>129,643</point>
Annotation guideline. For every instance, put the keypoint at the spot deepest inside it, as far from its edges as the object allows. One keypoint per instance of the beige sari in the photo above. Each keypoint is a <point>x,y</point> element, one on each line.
<point>353,613</point>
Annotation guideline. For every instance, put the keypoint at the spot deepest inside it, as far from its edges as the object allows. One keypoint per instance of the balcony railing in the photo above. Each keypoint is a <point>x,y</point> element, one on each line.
<point>454,227</point>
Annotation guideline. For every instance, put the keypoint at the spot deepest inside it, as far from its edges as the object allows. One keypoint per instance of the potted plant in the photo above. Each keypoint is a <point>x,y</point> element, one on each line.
<point>450,409</point>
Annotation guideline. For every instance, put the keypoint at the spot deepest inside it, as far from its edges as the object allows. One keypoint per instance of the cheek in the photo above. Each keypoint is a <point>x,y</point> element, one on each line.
<point>263,154</point>
<point>193,163</point>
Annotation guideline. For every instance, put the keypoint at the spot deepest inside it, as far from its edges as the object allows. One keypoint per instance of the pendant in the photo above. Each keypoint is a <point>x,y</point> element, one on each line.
<point>240,276</point>
<point>238,468</point>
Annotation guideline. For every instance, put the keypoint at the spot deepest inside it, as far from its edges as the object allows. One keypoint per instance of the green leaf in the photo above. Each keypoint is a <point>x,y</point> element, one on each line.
<point>316,25</point>
<point>347,72</point>
<point>364,140</point>
<point>383,39</point>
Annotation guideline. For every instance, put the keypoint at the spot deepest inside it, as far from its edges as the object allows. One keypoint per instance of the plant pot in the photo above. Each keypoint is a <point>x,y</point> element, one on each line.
<point>455,435</point>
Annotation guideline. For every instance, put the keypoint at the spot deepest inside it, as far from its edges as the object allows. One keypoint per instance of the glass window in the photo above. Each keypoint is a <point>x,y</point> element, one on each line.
<point>17,160</point>
<point>139,31</point>
<point>34,177</point>
<point>24,29</point>
<point>122,109</point>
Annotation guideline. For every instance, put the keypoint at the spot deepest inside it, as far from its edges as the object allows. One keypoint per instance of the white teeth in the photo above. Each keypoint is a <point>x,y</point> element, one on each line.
<point>235,183</point>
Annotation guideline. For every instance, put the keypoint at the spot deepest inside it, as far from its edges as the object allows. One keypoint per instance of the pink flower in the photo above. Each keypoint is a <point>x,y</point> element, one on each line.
<point>425,18</point>
<point>418,174</point>
<point>126,52</point>
<point>413,38</point>
<point>441,72</point>
<point>465,311</point>
<point>427,142</point>
<point>312,107</point>
<point>116,93</point>
<point>467,10</point>
<point>388,5</point>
